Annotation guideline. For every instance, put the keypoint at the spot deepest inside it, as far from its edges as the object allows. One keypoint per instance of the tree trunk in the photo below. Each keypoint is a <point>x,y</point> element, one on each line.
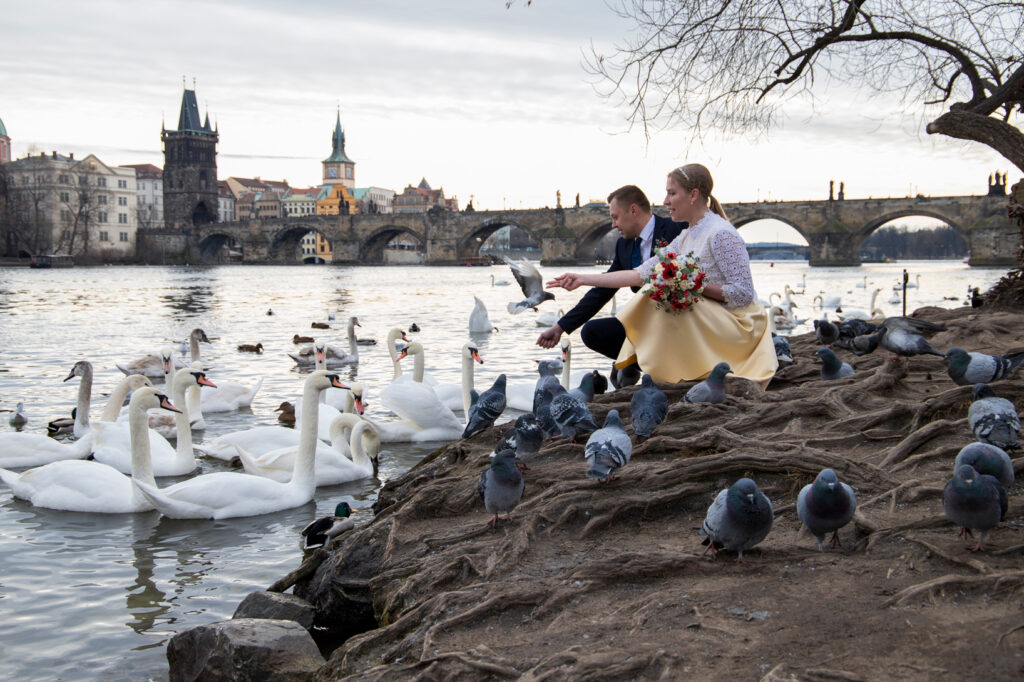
<point>989,131</point>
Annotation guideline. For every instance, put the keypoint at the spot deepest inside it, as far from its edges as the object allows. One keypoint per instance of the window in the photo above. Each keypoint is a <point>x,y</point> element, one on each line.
<point>122,184</point>
<point>64,179</point>
<point>140,201</point>
<point>65,215</point>
<point>101,182</point>
<point>103,236</point>
<point>102,217</point>
<point>124,236</point>
<point>122,218</point>
<point>348,172</point>
<point>102,199</point>
<point>83,180</point>
<point>122,201</point>
<point>65,196</point>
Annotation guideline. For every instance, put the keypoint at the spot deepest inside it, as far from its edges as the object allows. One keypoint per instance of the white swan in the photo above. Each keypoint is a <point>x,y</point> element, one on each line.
<point>895,298</point>
<point>85,486</point>
<point>803,284</point>
<point>392,343</point>
<point>426,417</point>
<point>499,283</point>
<point>915,284</point>
<point>860,314</point>
<point>161,422</point>
<point>226,495</point>
<point>82,369</point>
<point>351,404</point>
<point>785,302</point>
<point>568,378</point>
<point>548,319</point>
<point>830,302</point>
<point>862,285</point>
<point>228,396</point>
<point>109,444</point>
<point>152,364</point>
<point>479,320</point>
<point>306,357</point>
<point>449,394</point>
<point>349,434</point>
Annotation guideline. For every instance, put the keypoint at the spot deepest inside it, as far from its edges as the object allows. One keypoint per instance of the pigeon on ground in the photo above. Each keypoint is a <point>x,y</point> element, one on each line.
<point>572,416</point>
<point>826,505</point>
<point>904,342</point>
<point>739,518</point>
<point>501,485</point>
<point>782,350</point>
<point>585,391</point>
<point>826,332</point>
<point>321,532</point>
<point>864,344</point>
<point>488,407</point>
<point>712,389</point>
<point>993,420</point>
<point>974,501</point>
<point>831,366</point>
<point>524,437</point>
<point>987,459</point>
<point>648,407</point>
<point>608,448</point>
<point>600,383</point>
<point>531,283</point>
<point>627,376</point>
<point>548,370</point>
<point>978,368</point>
<point>544,417</point>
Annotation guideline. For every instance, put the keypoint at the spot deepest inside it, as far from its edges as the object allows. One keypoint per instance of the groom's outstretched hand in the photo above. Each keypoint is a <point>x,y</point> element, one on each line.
<point>568,281</point>
<point>549,337</point>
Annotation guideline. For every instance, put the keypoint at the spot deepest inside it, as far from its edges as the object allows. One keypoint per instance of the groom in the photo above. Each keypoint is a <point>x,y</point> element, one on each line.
<point>641,231</point>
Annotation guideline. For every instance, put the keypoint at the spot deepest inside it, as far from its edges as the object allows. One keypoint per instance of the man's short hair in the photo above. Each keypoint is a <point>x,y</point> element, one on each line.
<point>629,195</point>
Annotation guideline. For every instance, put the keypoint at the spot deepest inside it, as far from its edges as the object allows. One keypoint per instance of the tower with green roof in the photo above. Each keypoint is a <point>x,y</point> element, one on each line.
<point>338,168</point>
<point>5,144</point>
<point>190,168</point>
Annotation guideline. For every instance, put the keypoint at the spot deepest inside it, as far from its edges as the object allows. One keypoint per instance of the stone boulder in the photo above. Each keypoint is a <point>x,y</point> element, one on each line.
<point>276,606</point>
<point>244,649</point>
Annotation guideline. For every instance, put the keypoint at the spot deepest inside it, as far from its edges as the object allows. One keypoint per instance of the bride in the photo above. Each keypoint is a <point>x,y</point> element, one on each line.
<point>728,325</point>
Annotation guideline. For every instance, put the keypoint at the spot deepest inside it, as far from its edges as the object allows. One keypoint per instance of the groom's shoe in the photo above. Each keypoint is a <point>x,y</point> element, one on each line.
<point>627,376</point>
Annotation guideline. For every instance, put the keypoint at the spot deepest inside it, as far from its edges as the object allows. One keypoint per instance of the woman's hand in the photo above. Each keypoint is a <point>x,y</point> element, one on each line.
<point>568,281</point>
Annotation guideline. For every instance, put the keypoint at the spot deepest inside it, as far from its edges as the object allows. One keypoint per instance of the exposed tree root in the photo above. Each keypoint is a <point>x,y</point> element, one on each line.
<point>993,581</point>
<point>928,432</point>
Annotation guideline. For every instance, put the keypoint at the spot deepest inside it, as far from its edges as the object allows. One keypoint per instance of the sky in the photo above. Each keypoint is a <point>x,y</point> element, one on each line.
<point>487,102</point>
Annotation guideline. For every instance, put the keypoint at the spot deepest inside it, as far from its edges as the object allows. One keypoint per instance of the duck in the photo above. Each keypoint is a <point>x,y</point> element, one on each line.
<point>297,339</point>
<point>92,487</point>
<point>287,411</point>
<point>320,325</point>
<point>354,445</point>
<point>18,419</point>
<point>321,532</point>
<point>548,319</point>
<point>61,425</point>
<point>250,348</point>
<point>414,327</point>
<point>225,495</point>
<point>109,444</point>
<point>479,320</point>
<point>425,417</point>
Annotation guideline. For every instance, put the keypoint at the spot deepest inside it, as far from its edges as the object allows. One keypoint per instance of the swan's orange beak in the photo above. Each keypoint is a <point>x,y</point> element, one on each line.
<point>403,353</point>
<point>320,356</point>
<point>565,355</point>
<point>476,356</point>
<point>405,338</point>
<point>359,405</point>
<point>166,403</point>
<point>336,381</point>
<point>166,364</point>
<point>203,381</point>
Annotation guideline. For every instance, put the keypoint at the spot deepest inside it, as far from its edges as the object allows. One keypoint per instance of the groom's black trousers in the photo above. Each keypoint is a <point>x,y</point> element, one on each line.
<point>604,335</point>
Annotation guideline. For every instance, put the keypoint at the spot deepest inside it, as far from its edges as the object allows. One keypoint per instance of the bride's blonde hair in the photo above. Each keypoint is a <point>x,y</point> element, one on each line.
<point>694,176</point>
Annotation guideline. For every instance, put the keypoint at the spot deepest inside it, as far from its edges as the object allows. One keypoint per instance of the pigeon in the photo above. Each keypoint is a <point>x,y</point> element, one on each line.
<point>648,407</point>
<point>987,459</point>
<point>826,505</point>
<point>831,366</point>
<point>826,332</point>
<point>977,368</point>
<point>543,411</point>
<point>712,389</point>
<point>903,342</point>
<point>739,518</point>
<point>600,383</point>
<point>531,283</point>
<point>548,370</point>
<point>627,376</point>
<point>608,448</point>
<point>525,438</point>
<point>864,344</point>
<point>321,532</point>
<point>993,420</point>
<point>501,485</point>
<point>572,416</point>
<point>974,501</point>
<point>852,329</point>
<point>18,419</point>
<point>782,350</point>
<point>585,391</point>
<point>488,407</point>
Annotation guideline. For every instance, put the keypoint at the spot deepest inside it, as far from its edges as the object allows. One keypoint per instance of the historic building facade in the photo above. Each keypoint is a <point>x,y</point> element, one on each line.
<point>149,183</point>
<point>338,168</point>
<point>190,169</point>
<point>422,198</point>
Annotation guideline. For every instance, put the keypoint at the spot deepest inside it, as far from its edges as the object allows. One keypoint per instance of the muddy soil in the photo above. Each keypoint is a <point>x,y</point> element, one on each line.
<point>609,581</point>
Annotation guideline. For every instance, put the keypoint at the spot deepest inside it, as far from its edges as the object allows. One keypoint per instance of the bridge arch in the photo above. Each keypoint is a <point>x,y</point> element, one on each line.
<point>220,247</point>
<point>869,228</point>
<point>742,220</point>
<point>470,244</point>
<point>371,250</point>
<point>284,244</point>
<point>587,242</point>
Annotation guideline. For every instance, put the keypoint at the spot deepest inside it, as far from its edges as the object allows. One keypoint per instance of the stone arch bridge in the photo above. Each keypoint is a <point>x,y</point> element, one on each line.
<point>834,229</point>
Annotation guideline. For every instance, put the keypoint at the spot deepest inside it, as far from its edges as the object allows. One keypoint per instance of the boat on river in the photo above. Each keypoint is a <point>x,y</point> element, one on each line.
<point>52,260</point>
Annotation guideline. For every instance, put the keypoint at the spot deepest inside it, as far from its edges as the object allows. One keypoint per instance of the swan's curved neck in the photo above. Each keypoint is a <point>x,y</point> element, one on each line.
<point>467,380</point>
<point>193,348</point>
<point>566,368</point>
<point>115,401</point>
<point>417,368</point>
<point>393,352</point>
<point>304,473</point>
<point>874,297</point>
<point>84,398</point>
<point>352,347</point>
<point>142,465</point>
<point>182,425</point>
<point>357,448</point>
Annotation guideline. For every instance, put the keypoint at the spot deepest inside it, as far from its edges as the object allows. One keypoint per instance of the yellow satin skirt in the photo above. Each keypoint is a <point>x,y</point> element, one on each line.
<point>684,346</point>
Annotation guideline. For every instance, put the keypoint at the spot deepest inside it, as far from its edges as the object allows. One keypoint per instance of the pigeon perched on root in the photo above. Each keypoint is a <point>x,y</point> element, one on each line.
<point>978,368</point>
<point>987,459</point>
<point>739,518</point>
<point>608,449</point>
<point>993,420</point>
<point>712,389</point>
<point>572,416</point>
<point>974,501</point>
<point>831,366</point>
<point>826,506</point>
<point>647,408</point>
<point>487,408</point>
<point>501,486</point>
<point>524,438</point>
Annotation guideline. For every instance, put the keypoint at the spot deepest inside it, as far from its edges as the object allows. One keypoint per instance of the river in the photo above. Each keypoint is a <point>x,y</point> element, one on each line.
<point>92,596</point>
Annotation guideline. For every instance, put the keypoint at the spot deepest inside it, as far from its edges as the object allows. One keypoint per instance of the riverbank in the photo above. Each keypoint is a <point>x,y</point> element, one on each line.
<point>608,581</point>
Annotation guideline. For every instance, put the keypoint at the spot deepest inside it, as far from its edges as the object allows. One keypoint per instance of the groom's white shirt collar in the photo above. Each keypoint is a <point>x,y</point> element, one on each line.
<point>647,239</point>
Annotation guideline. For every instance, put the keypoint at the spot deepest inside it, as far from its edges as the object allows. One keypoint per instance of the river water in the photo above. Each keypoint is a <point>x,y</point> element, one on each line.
<point>92,596</point>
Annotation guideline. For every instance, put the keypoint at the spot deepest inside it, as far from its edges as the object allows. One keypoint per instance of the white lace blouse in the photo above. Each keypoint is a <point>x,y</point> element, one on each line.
<point>723,256</point>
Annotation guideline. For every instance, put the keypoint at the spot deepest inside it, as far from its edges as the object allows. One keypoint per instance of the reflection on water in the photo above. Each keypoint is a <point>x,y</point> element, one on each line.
<point>97,596</point>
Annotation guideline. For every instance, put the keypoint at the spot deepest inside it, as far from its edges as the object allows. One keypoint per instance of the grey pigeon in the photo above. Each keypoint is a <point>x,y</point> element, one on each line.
<point>987,459</point>
<point>648,407</point>
<point>739,518</point>
<point>487,408</point>
<point>525,438</point>
<point>831,366</point>
<point>543,412</point>
<point>904,342</point>
<point>572,416</point>
<point>585,391</point>
<point>531,283</point>
<point>782,350</point>
<point>974,501</point>
<point>993,420</point>
<point>608,448</point>
<point>978,368</point>
<point>826,332</point>
<point>712,389</point>
<point>826,505</point>
<point>627,376</point>
<point>548,371</point>
<point>864,344</point>
<point>501,485</point>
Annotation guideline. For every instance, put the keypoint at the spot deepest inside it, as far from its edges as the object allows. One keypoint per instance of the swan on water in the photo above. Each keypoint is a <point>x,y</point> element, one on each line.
<point>548,319</point>
<point>226,397</point>
<point>225,494</point>
<point>829,302</point>
<point>862,315</point>
<point>499,283</point>
<point>479,320</point>
<point>306,357</point>
<point>863,284</point>
<point>87,486</point>
<point>449,394</point>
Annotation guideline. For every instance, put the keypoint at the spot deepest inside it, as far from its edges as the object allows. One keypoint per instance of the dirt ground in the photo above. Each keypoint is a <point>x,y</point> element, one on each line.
<point>609,581</point>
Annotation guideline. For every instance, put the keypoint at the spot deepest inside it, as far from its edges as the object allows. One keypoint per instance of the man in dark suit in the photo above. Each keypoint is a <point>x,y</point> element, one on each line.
<point>641,231</point>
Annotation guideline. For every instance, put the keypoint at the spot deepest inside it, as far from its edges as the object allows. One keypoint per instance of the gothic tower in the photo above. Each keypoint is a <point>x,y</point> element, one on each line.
<point>338,168</point>
<point>190,169</point>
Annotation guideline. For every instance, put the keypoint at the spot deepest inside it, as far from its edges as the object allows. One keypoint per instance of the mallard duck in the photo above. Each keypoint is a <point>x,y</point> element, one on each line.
<point>287,411</point>
<point>62,424</point>
<point>302,339</point>
<point>250,348</point>
<point>321,532</point>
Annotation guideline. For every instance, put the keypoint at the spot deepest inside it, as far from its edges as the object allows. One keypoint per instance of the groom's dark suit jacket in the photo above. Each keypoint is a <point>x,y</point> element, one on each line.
<point>595,299</point>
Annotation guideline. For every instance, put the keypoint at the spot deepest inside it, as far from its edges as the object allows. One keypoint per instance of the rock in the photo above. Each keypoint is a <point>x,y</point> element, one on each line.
<point>244,649</point>
<point>276,606</point>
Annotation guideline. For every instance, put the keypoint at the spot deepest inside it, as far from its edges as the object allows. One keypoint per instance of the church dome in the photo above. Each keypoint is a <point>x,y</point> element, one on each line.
<point>3,131</point>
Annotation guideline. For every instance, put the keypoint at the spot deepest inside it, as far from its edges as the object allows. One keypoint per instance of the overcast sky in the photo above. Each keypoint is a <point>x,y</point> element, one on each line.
<point>484,101</point>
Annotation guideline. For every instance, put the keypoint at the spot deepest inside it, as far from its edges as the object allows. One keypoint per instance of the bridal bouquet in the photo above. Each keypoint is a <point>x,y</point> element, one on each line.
<point>677,282</point>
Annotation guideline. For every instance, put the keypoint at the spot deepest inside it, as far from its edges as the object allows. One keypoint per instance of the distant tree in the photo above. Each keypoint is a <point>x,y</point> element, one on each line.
<point>23,212</point>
